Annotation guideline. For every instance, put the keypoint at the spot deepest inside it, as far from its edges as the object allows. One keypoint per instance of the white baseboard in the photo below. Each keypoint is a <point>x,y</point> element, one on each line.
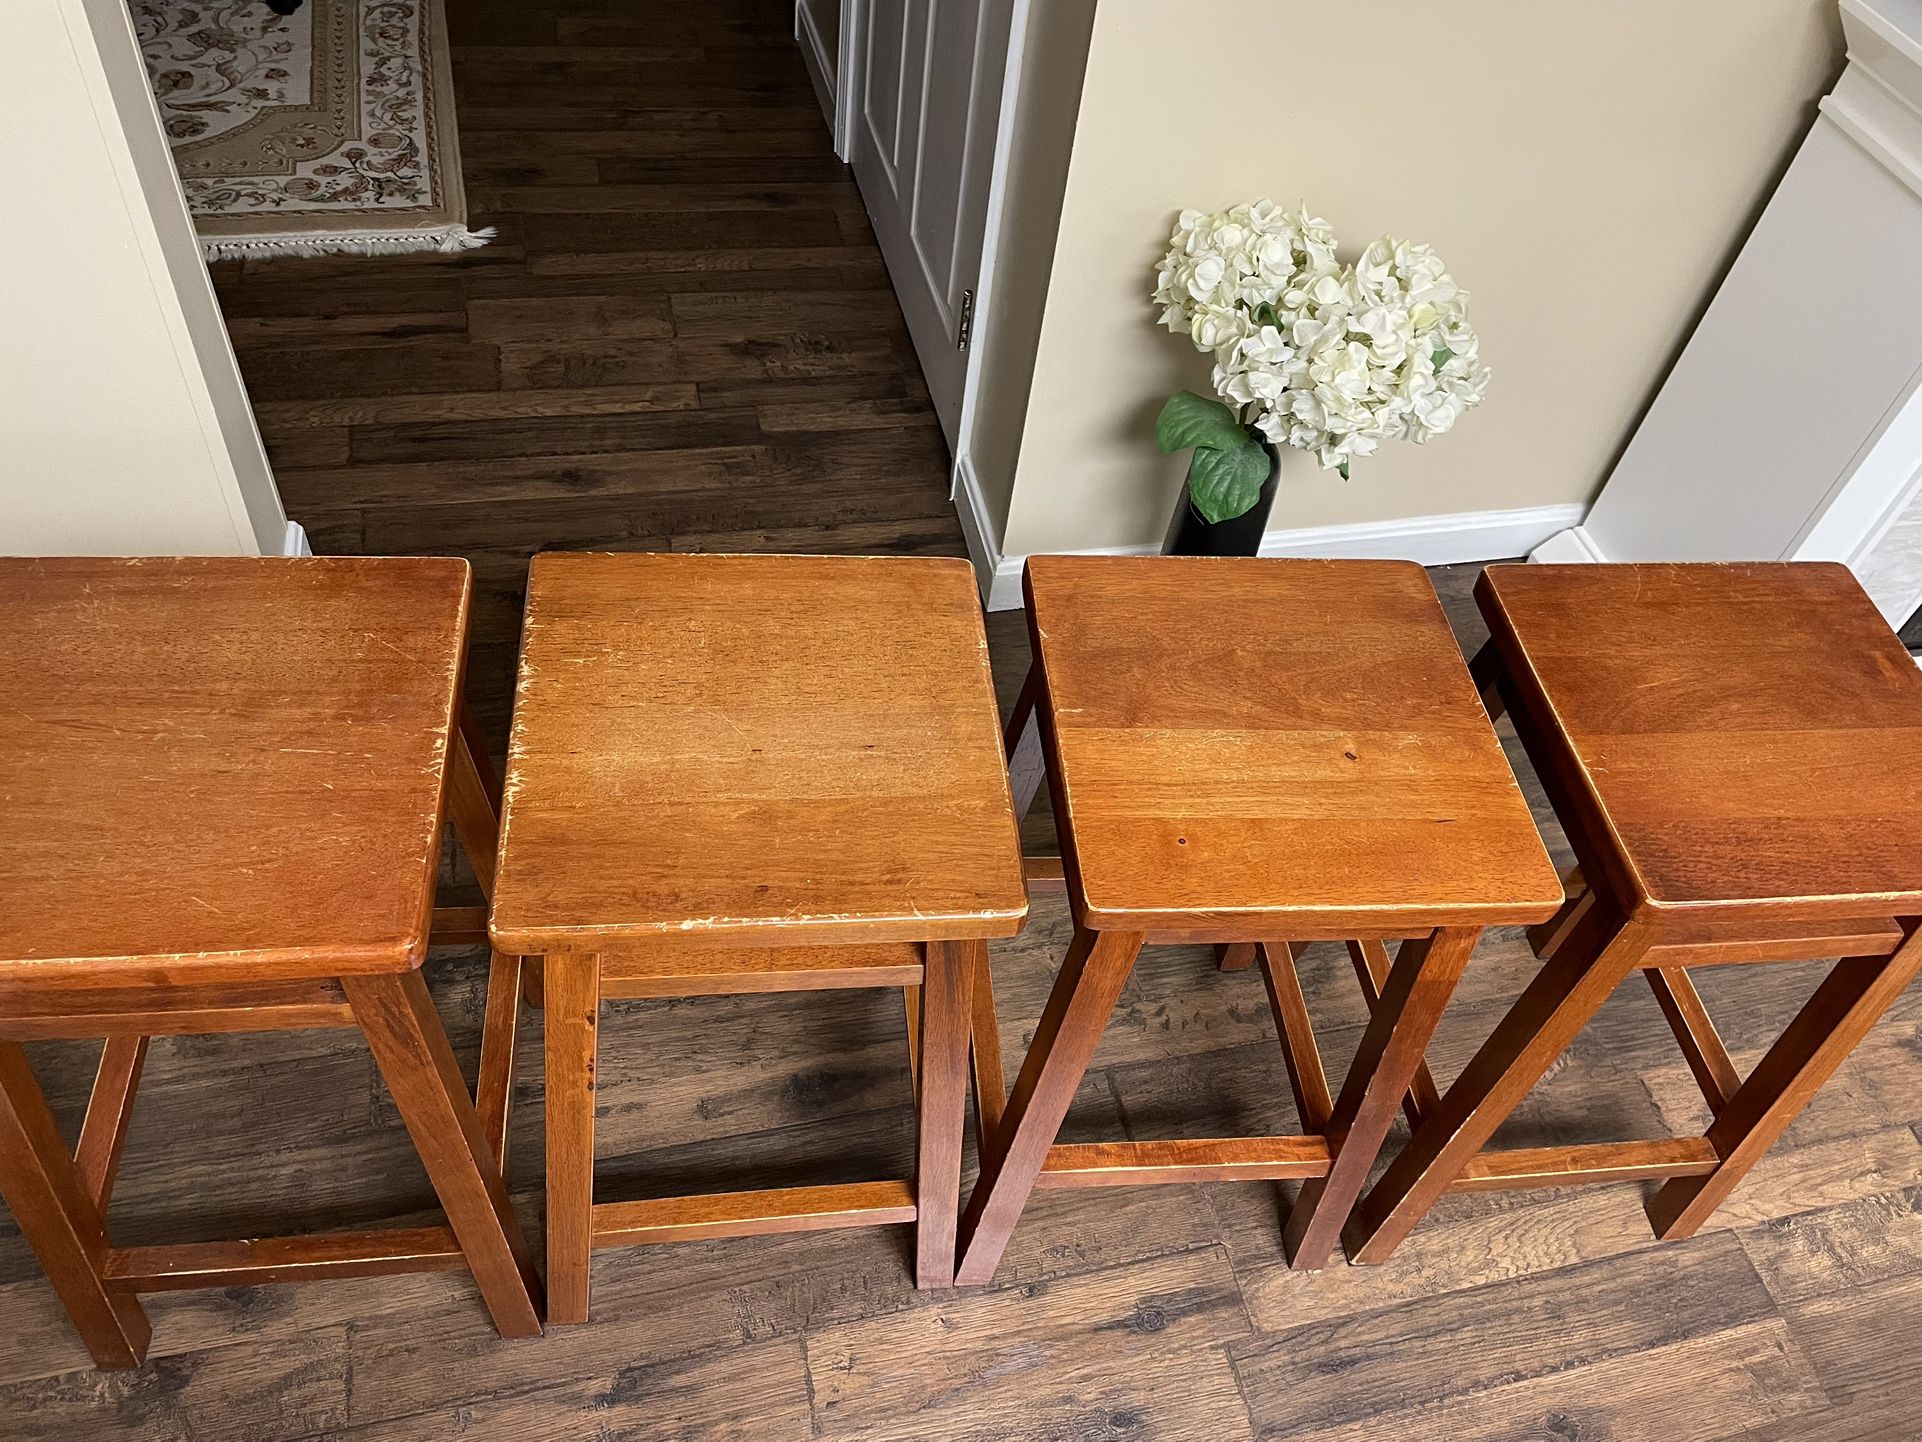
<point>820,64</point>
<point>978,531</point>
<point>1431,540</point>
<point>295,543</point>
<point>1571,547</point>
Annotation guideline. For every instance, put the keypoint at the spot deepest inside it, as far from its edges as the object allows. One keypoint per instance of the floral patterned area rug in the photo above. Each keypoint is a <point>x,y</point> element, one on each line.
<point>327,131</point>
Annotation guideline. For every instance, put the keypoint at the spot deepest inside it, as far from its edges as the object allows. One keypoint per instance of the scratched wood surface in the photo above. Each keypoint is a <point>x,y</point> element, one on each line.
<point>1150,1313</point>
<point>755,750</point>
<point>1215,716</point>
<point>171,699</point>
<point>1135,1314</point>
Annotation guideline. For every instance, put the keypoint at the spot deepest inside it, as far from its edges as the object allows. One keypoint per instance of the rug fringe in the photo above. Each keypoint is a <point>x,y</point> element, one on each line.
<point>450,240</point>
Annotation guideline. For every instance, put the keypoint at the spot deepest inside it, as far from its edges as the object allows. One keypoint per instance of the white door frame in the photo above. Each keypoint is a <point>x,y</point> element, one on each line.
<point>206,487</point>
<point>834,82</point>
<point>847,102</point>
<point>847,105</point>
<point>984,284</point>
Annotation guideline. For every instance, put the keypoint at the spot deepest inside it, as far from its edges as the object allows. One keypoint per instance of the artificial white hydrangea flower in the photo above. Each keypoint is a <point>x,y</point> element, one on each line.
<point>1329,358</point>
<point>1221,268</point>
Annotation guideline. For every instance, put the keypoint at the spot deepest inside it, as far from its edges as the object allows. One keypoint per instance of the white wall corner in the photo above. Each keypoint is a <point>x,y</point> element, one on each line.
<point>998,576</point>
<point>1571,547</point>
<point>296,542</point>
<point>1708,475</point>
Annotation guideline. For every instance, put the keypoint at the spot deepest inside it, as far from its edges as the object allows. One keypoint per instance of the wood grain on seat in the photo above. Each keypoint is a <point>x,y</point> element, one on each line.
<point>765,750</point>
<point>1240,737</point>
<point>1731,750</point>
<point>1255,751</point>
<point>223,768</point>
<point>1746,737</point>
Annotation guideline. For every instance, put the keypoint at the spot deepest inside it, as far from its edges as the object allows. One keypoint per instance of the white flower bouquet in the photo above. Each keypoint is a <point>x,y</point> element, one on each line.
<point>1309,352</point>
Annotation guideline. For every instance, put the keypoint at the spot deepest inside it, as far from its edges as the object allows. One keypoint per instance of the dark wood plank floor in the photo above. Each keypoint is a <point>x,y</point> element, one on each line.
<point>683,338</point>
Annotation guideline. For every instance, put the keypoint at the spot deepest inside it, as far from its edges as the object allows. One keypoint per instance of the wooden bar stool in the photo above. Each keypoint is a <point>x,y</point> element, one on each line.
<point>1735,752</point>
<point>1255,753</point>
<point>220,811</point>
<point>755,773</point>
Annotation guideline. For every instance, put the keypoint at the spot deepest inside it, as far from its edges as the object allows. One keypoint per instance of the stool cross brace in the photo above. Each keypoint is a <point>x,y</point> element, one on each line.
<point>61,1199</point>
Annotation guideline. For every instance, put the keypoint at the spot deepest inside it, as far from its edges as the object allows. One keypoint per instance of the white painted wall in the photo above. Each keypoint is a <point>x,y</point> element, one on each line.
<point>124,427</point>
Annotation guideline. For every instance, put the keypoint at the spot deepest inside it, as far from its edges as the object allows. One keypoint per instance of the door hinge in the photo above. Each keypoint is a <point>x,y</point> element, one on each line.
<point>967,320</point>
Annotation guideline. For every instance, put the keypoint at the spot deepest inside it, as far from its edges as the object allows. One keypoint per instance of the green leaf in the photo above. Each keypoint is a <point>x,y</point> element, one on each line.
<point>1343,468</point>
<point>1225,481</point>
<point>1192,420</point>
<point>1443,356</point>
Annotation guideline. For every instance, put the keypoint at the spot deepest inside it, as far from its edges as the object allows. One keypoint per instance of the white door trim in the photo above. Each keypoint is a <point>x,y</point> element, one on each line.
<point>847,99</point>
<point>984,285</point>
<point>937,293</point>
<point>835,85</point>
<point>822,70</point>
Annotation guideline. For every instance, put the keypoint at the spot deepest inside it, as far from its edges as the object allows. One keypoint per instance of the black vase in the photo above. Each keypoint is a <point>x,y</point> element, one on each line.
<point>1192,534</point>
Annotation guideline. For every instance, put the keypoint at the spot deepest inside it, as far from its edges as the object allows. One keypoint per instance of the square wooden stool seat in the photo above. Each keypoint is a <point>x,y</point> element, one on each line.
<point>1257,753</point>
<point>755,773</point>
<point>221,802</point>
<point>1735,752</point>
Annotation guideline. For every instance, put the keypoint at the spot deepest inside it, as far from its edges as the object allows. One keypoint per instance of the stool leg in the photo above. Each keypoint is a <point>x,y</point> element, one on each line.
<point>911,1004</point>
<point>1026,767</point>
<point>1372,966</point>
<point>103,1132</point>
<point>1399,1028</point>
<point>1695,1033</point>
<point>473,808</point>
<point>60,1222</point>
<point>572,986</point>
<point>1565,993</point>
<point>990,1086</point>
<point>1085,991</point>
<point>404,1032</point>
<point>947,999</point>
<point>1547,937</point>
<point>1296,1031</point>
<point>473,799</point>
<point>1235,955</point>
<point>1486,669</point>
<point>500,1023</point>
<point>1824,1032</point>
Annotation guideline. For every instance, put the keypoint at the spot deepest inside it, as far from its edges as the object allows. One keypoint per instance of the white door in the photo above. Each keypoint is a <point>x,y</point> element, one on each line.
<point>926,97</point>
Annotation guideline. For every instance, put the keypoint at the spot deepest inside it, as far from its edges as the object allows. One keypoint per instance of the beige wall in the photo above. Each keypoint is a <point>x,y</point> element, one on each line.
<point>1587,171</point>
<point>123,425</point>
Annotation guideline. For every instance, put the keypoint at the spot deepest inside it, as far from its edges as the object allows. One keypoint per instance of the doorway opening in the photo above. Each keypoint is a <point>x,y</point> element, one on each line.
<point>682,334</point>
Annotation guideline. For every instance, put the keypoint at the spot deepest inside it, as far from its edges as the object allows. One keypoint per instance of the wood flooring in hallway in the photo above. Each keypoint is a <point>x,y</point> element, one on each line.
<point>683,337</point>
